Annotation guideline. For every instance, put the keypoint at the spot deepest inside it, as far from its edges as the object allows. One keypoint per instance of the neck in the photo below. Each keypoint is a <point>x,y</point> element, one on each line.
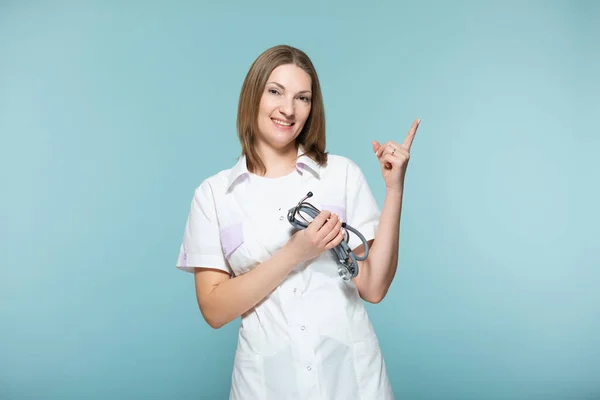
<point>278,162</point>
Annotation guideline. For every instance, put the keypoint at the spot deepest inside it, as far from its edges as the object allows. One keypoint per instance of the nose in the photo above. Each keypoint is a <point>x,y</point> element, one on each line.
<point>287,107</point>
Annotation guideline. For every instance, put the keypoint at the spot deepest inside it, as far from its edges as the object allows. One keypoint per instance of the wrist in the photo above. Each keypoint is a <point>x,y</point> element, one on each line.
<point>394,192</point>
<point>292,255</point>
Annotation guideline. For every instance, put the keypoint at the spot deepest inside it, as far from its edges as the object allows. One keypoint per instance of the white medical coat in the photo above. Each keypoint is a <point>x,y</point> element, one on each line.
<point>311,338</point>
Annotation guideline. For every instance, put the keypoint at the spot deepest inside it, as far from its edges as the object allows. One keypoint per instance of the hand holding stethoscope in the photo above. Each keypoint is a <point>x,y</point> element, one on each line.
<point>394,157</point>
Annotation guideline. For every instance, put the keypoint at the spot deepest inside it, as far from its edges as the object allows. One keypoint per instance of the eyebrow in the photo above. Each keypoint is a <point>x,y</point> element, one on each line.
<point>282,87</point>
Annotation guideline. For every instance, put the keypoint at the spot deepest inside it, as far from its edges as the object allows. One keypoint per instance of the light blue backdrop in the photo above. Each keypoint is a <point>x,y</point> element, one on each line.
<point>111,114</point>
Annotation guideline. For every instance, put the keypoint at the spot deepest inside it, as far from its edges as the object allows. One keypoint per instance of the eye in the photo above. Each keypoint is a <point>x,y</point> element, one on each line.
<point>273,91</point>
<point>304,99</point>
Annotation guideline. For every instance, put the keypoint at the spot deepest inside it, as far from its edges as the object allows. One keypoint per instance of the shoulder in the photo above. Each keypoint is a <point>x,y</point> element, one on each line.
<point>213,185</point>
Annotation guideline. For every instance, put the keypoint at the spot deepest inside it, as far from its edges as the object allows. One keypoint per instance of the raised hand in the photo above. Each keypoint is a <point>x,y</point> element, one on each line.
<point>393,159</point>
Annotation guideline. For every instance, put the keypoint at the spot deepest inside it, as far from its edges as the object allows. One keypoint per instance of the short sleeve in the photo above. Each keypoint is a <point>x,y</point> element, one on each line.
<point>201,246</point>
<point>362,211</point>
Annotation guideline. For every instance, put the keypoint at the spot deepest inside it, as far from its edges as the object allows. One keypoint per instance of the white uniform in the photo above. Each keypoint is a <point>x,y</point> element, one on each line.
<point>311,338</point>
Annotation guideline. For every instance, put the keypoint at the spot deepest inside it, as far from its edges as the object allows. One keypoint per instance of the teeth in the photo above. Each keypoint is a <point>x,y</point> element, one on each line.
<point>280,122</point>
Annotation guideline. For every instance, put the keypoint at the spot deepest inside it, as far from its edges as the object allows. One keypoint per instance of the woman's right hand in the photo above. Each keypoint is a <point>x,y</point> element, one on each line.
<point>322,234</point>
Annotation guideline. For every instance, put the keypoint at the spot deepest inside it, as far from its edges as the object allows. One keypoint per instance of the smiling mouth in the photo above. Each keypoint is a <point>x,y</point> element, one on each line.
<point>282,123</point>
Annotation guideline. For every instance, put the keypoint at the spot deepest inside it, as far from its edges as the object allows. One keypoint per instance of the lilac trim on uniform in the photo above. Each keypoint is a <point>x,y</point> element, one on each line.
<point>231,238</point>
<point>339,210</point>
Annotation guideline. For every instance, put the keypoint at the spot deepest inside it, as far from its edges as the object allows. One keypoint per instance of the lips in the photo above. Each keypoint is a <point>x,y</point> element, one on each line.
<point>282,123</point>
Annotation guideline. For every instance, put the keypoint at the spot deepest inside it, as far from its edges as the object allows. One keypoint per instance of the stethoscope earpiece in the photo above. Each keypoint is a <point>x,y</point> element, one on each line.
<point>347,260</point>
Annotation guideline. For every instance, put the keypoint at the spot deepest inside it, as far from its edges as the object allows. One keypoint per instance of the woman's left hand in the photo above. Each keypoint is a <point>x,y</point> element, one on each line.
<point>393,159</point>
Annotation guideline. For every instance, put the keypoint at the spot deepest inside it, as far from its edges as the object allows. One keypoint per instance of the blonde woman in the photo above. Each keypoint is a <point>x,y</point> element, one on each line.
<point>305,333</point>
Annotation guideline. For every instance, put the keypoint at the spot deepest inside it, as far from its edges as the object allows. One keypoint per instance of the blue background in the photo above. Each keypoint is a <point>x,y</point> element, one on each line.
<point>111,115</point>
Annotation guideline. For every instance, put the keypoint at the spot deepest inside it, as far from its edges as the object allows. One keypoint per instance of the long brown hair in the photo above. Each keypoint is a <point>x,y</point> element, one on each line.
<point>312,137</point>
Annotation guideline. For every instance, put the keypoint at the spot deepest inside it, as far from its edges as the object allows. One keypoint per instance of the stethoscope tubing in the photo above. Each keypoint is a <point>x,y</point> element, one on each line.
<point>347,260</point>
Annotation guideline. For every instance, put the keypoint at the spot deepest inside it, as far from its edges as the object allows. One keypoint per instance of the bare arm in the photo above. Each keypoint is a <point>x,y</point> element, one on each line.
<point>222,299</point>
<point>376,273</point>
<point>379,268</point>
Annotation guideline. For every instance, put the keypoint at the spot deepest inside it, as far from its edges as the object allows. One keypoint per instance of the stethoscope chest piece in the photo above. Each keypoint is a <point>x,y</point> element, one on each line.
<point>344,273</point>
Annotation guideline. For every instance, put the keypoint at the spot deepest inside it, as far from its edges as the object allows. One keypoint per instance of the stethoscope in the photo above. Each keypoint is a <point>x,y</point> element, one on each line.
<point>347,260</point>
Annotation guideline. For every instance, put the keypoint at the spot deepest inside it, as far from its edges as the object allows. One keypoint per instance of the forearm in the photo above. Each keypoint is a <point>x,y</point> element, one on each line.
<point>234,297</point>
<point>383,256</point>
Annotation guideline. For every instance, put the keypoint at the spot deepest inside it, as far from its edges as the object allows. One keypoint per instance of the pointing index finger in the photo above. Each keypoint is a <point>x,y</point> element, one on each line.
<point>411,134</point>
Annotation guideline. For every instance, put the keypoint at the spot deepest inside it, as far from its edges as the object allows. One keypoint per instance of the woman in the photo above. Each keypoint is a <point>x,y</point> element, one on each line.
<point>305,333</point>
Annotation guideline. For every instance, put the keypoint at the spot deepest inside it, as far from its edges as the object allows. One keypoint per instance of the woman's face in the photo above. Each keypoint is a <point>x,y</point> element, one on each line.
<point>284,106</point>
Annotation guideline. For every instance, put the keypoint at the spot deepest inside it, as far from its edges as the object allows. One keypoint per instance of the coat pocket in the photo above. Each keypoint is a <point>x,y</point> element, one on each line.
<point>247,378</point>
<point>232,237</point>
<point>340,210</point>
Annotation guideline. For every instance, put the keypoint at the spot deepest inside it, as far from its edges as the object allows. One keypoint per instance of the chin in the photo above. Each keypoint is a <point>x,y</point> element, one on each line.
<point>280,139</point>
<point>281,142</point>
